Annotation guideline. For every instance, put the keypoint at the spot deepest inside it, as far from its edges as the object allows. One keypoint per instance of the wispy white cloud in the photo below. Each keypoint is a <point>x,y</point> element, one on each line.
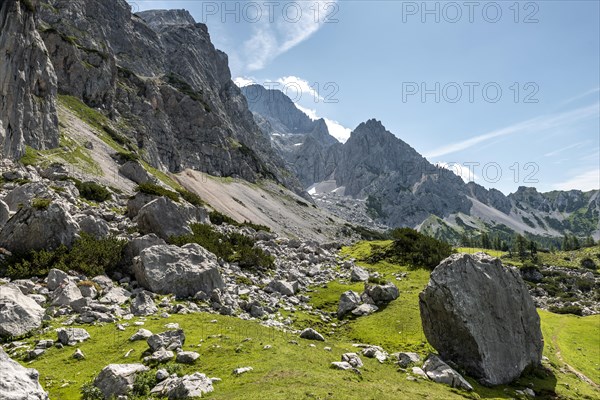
<point>337,130</point>
<point>579,96</point>
<point>589,180</point>
<point>298,88</point>
<point>242,81</point>
<point>463,171</point>
<point>537,124</point>
<point>560,150</point>
<point>281,31</point>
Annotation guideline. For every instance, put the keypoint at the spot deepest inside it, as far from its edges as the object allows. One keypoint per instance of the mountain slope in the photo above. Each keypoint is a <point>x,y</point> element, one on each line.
<point>402,188</point>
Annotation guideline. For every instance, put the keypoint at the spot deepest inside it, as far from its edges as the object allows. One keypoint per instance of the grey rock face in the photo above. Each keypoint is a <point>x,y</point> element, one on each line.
<point>143,304</point>
<point>166,218</point>
<point>349,300</point>
<point>407,359</point>
<point>94,226</point>
<point>28,83</point>
<point>118,379</point>
<point>183,271</point>
<point>311,334</point>
<point>135,247</point>
<point>19,314</point>
<point>66,294</point>
<point>382,294</point>
<point>141,334</point>
<point>21,196</point>
<point>18,382</point>
<point>352,359</point>
<point>134,171</point>
<point>4,213</point>
<point>72,336</point>
<point>283,287</point>
<point>186,387</point>
<point>168,340</point>
<point>189,115</point>
<point>439,372</point>
<point>187,357</point>
<point>359,275</point>
<point>33,229</point>
<point>479,314</point>
<point>55,278</point>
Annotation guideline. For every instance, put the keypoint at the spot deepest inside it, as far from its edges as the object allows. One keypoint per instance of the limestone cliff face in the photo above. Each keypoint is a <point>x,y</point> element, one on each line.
<point>28,82</point>
<point>157,75</point>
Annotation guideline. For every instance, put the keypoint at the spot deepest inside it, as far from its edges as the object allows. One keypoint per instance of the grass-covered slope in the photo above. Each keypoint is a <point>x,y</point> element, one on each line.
<point>292,369</point>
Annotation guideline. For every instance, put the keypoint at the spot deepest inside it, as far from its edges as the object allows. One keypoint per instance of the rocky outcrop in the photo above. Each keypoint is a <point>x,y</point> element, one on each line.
<point>39,228</point>
<point>117,379</point>
<point>28,83</point>
<point>159,72</point>
<point>440,372</point>
<point>18,382</point>
<point>186,387</point>
<point>478,314</point>
<point>183,271</point>
<point>19,314</point>
<point>166,218</point>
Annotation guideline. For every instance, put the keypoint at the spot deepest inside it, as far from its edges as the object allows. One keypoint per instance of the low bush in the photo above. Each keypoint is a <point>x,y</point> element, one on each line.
<point>156,190</point>
<point>41,204</point>
<point>144,382</point>
<point>218,218</point>
<point>92,191</point>
<point>566,310</point>
<point>91,392</point>
<point>234,247</point>
<point>88,255</point>
<point>191,198</point>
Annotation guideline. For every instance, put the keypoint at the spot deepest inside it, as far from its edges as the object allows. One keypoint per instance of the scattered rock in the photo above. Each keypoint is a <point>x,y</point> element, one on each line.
<point>72,336</point>
<point>405,360</point>
<point>382,294</point>
<point>283,287</point>
<point>349,300</point>
<point>55,278</point>
<point>117,379</point>
<point>186,387</point>
<point>242,370</point>
<point>311,334</point>
<point>364,309</point>
<point>440,372</point>
<point>78,355</point>
<point>359,274</point>
<point>183,271</point>
<point>187,357</point>
<point>160,356</point>
<point>375,352</point>
<point>353,359</point>
<point>143,304</point>
<point>479,314</point>
<point>134,171</point>
<point>142,334</point>
<point>18,382</point>
<point>170,340</point>
<point>66,294</point>
<point>19,314</point>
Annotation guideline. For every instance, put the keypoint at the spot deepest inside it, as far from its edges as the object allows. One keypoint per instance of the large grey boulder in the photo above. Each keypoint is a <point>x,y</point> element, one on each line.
<point>283,287</point>
<point>311,334</point>
<point>55,278</point>
<point>359,274</point>
<point>134,171</point>
<point>143,304</point>
<point>349,300</point>
<point>440,372</point>
<point>4,213</point>
<point>135,247</point>
<point>66,294</point>
<point>18,382</point>
<point>479,314</point>
<point>186,387</point>
<point>94,226</point>
<point>21,196</point>
<point>169,340</point>
<point>117,379</point>
<point>72,336</point>
<point>166,218</point>
<point>39,229</point>
<point>381,294</point>
<point>19,314</point>
<point>183,271</point>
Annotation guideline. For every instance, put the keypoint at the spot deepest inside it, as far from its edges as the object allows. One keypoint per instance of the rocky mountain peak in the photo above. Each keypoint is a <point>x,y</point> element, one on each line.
<point>157,19</point>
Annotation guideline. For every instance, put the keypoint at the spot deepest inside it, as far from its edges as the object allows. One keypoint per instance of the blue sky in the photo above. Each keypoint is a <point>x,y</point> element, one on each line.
<point>508,93</point>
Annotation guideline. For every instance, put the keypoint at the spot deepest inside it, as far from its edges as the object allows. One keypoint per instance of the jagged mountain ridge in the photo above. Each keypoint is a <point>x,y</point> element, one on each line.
<point>156,75</point>
<point>410,191</point>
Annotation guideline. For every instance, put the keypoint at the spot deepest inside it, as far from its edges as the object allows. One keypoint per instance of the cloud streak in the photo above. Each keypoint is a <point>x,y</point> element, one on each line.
<point>537,124</point>
<point>585,181</point>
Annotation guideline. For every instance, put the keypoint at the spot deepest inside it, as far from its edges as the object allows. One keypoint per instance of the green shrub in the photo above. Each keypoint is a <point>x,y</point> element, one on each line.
<point>587,262</point>
<point>41,204</point>
<point>566,310</point>
<point>242,280</point>
<point>144,382</point>
<point>218,218</point>
<point>234,247</point>
<point>88,255</point>
<point>413,248</point>
<point>92,191</point>
<point>91,392</point>
<point>377,281</point>
<point>156,190</point>
<point>191,198</point>
<point>125,156</point>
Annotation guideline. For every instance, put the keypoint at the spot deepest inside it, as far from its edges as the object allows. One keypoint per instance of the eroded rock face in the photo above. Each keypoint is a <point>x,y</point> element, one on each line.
<point>118,379</point>
<point>39,229</point>
<point>19,314</point>
<point>165,218</point>
<point>18,382</point>
<point>183,271</point>
<point>479,314</point>
<point>28,83</point>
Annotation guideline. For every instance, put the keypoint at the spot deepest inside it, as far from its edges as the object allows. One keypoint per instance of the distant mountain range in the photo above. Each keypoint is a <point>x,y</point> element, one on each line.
<point>403,188</point>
